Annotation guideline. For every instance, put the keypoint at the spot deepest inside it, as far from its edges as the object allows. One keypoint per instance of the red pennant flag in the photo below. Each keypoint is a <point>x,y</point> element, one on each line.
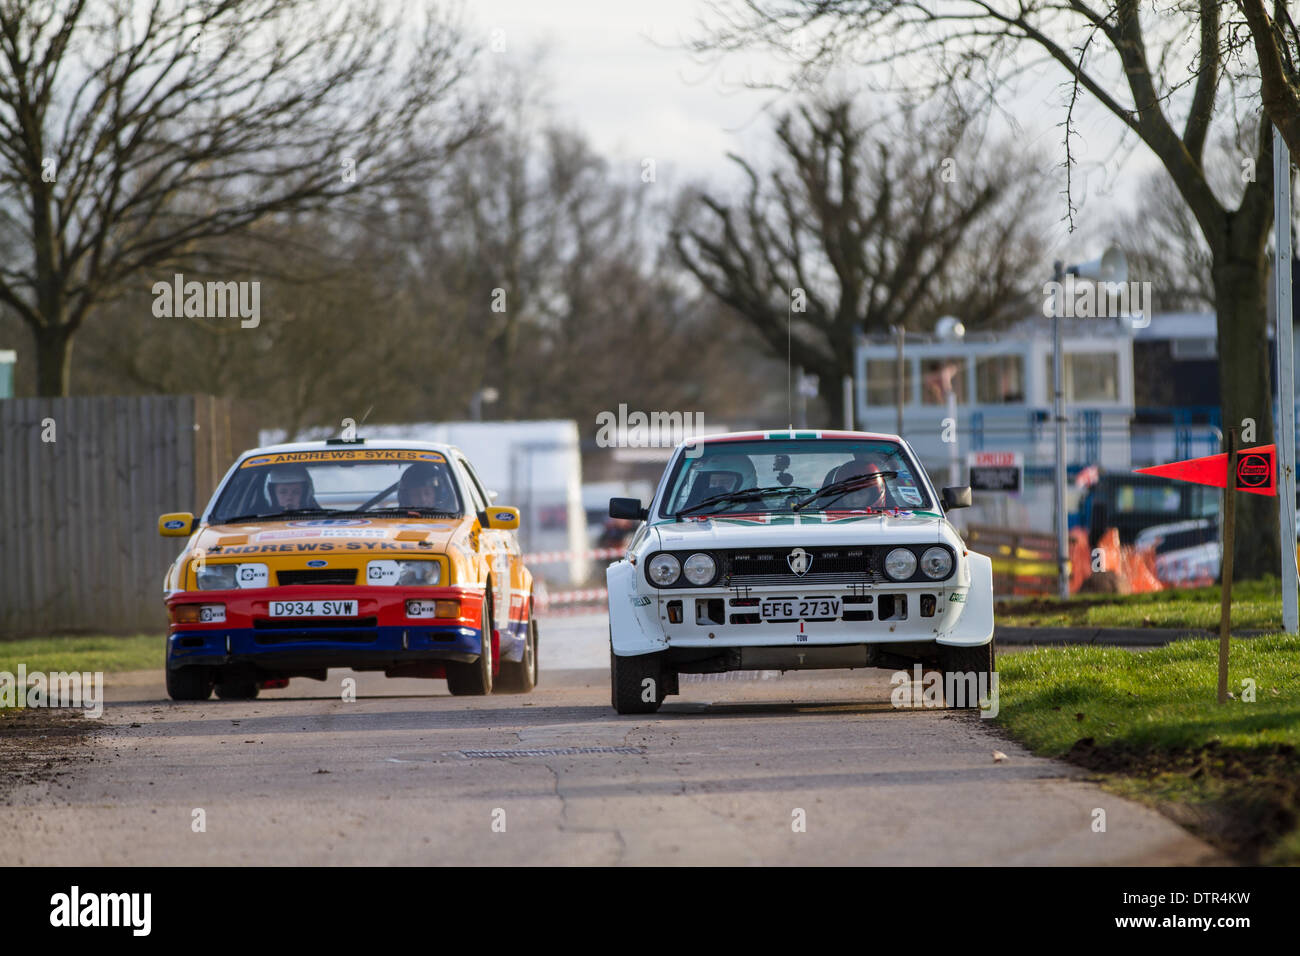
<point>1256,470</point>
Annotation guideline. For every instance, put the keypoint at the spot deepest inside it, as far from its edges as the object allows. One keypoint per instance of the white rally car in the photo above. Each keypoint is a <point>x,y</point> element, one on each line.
<point>795,550</point>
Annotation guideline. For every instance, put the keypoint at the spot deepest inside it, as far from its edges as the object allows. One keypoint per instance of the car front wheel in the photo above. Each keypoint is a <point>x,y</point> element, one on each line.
<point>637,684</point>
<point>475,680</point>
<point>962,663</point>
<point>189,683</point>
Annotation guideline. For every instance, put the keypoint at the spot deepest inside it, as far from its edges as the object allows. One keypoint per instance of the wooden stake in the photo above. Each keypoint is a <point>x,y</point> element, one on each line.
<point>1229,523</point>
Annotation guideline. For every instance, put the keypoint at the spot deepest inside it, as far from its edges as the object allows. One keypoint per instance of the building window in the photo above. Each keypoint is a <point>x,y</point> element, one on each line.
<point>1000,380</point>
<point>1089,377</point>
<point>940,374</point>
<point>882,381</point>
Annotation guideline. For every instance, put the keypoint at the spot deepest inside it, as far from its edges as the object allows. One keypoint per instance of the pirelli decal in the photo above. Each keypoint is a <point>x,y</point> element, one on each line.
<point>342,454</point>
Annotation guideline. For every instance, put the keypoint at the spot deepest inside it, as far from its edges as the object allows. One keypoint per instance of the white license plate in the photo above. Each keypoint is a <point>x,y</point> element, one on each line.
<point>313,609</point>
<point>798,609</point>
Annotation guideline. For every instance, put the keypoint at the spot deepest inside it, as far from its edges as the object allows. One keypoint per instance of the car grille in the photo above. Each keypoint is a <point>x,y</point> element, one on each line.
<point>843,565</point>
<point>314,576</point>
<point>270,638</point>
<point>313,623</point>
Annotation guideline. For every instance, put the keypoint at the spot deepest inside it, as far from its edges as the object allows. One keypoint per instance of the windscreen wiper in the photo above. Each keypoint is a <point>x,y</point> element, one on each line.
<point>277,515</point>
<point>741,495</point>
<point>838,489</point>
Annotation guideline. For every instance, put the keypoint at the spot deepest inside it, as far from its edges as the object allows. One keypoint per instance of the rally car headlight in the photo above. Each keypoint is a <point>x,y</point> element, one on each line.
<point>699,569</point>
<point>216,577</point>
<point>405,573</point>
<point>664,569</point>
<point>936,563</point>
<point>900,564</point>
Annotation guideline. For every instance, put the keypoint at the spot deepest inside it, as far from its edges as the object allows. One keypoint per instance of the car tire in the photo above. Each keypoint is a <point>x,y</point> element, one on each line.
<point>475,680</point>
<point>980,660</point>
<point>189,683</point>
<point>236,688</point>
<point>627,677</point>
<point>520,677</point>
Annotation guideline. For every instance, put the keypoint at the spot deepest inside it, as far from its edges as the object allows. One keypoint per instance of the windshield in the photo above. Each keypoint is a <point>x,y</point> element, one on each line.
<point>784,475</point>
<point>402,482</point>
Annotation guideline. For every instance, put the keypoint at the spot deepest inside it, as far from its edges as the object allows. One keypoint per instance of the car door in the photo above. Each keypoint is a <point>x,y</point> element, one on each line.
<point>499,548</point>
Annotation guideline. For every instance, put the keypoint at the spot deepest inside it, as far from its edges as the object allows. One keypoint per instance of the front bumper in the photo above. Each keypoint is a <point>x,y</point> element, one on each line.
<point>380,637</point>
<point>958,611</point>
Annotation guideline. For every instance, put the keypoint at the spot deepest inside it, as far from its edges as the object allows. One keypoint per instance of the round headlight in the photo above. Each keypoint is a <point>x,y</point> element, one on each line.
<point>936,563</point>
<point>900,564</point>
<point>699,569</point>
<point>664,569</point>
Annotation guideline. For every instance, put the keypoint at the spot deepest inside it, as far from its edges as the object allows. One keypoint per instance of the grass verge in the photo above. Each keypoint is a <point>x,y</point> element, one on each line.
<point>141,652</point>
<point>1256,605</point>
<point>1148,725</point>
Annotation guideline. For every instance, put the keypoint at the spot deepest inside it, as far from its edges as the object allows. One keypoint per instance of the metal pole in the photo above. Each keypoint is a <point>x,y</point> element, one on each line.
<point>1285,379</point>
<point>1058,412</point>
<point>899,376</point>
<point>1229,530</point>
<point>848,402</point>
<point>803,397</point>
<point>954,458</point>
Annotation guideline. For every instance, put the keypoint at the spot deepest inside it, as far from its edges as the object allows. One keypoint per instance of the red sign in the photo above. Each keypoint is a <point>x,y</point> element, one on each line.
<point>1256,470</point>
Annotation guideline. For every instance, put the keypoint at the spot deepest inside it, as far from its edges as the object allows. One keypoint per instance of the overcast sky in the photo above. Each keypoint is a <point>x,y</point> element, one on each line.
<point>619,73</point>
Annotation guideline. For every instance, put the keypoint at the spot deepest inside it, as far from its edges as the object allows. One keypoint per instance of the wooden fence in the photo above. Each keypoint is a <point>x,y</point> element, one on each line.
<point>1024,563</point>
<point>82,482</point>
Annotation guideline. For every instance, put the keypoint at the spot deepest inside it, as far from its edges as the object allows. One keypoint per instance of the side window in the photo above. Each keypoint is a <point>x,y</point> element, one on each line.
<point>476,491</point>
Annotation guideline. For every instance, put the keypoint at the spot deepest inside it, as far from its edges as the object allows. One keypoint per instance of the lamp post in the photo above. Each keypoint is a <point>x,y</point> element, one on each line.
<point>899,377</point>
<point>476,402</point>
<point>950,329</point>
<point>1111,267</point>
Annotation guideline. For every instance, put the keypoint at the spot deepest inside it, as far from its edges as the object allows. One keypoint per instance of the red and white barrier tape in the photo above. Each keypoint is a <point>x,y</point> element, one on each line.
<point>558,557</point>
<point>580,596</point>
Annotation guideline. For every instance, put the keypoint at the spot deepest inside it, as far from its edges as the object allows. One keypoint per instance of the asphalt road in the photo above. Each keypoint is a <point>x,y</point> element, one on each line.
<point>724,774</point>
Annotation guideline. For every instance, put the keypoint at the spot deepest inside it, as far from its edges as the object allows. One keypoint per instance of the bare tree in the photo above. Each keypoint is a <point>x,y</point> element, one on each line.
<point>132,134</point>
<point>863,227</point>
<point>1164,74</point>
<point>1277,48</point>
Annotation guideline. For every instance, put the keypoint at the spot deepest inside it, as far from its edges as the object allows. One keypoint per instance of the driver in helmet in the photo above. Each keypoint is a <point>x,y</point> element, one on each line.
<point>289,488</point>
<point>874,495</point>
<point>425,485</point>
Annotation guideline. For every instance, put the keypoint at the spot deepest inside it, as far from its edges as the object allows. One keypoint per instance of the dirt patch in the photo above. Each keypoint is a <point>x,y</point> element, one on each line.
<point>40,745</point>
<point>1245,801</point>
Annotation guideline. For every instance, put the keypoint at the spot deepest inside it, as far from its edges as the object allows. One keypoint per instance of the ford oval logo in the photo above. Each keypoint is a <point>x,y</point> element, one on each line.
<point>173,524</point>
<point>505,516</point>
<point>317,563</point>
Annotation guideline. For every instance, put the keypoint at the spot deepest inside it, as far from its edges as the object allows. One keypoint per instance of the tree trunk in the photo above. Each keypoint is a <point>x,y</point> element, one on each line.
<point>1240,293</point>
<point>830,388</point>
<point>53,360</point>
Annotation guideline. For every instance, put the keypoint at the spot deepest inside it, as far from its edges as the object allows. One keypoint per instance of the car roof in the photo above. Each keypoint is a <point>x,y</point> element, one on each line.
<point>788,434</point>
<point>378,444</point>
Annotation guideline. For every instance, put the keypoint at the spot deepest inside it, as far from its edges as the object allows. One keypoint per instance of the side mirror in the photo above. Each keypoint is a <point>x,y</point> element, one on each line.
<point>958,497</point>
<point>177,524</point>
<point>628,508</point>
<point>502,519</point>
